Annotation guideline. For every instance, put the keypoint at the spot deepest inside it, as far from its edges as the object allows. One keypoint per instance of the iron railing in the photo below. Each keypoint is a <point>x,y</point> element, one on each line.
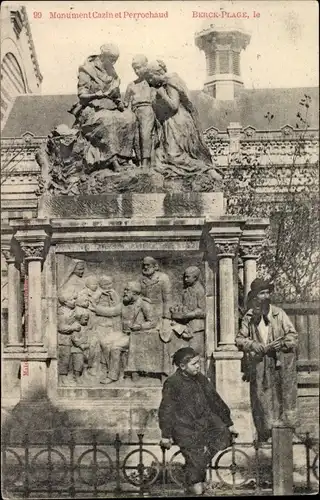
<point>70,467</point>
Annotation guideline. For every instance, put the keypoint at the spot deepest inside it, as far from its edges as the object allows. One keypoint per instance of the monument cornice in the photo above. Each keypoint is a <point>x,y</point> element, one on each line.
<point>254,230</point>
<point>127,235</point>
<point>227,227</point>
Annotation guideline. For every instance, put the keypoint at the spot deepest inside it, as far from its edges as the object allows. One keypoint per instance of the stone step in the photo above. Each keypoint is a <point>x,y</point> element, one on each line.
<point>121,394</point>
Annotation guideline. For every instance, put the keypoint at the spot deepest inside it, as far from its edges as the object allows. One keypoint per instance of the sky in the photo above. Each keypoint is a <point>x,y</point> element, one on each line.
<point>283,50</point>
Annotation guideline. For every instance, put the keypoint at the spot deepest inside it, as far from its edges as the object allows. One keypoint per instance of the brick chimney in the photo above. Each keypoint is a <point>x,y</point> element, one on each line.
<point>222,49</point>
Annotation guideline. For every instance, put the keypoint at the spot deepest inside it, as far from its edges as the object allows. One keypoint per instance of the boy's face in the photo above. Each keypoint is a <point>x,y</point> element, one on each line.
<point>92,285</point>
<point>106,285</point>
<point>192,367</point>
<point>71,303</point>
<point>139,69</point>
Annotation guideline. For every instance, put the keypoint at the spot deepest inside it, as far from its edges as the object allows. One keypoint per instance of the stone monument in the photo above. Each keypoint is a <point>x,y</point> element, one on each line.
<point>102,213</point>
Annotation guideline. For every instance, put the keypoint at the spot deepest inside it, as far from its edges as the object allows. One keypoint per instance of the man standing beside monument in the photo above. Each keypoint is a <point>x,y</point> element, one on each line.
<point>269,342</point>
<point>156,286</point>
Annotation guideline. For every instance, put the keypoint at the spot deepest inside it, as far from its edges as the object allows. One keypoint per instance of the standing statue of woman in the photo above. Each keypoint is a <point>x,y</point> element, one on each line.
<point>182,149</point>
<point>100,114</point>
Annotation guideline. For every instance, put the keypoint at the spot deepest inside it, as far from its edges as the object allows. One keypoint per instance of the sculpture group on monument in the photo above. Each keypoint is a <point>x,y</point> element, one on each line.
<point>145,142</point>
<point>149,141</point>
<point>104,338</point>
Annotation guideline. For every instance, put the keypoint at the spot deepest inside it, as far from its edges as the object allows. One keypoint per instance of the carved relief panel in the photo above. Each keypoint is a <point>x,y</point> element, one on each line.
<point>120,317</point>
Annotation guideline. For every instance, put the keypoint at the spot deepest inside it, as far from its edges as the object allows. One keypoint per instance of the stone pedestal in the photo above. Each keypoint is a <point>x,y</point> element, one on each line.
<point>178,229</point>
<point>123,410</point>
<point>33,377</point>
<point>133,205</point>
<point>234,391</point>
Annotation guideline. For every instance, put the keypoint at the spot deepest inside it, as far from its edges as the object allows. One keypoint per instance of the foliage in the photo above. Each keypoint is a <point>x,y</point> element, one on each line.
<point>256,185</point>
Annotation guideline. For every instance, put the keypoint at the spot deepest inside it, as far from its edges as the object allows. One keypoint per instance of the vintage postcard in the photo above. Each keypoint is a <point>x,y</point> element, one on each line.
<point>159,248</point>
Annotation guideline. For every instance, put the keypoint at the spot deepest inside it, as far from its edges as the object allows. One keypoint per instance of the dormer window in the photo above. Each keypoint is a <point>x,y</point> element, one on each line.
<point>17,21</point>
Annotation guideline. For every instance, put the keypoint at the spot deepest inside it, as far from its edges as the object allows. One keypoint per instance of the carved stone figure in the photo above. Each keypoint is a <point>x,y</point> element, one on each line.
<point>68,324</point>
<point>80,344</point>
<point>106,326</point>
<point>100,114</point>
<point>156,127</point>
<point>136,319</point>
<point>88,298</point>
<point>182,151</point>
<point>73,279</point>
<point>91,293</point>
<point>156,286</point>
<point>61,161</point>
<point>139,98</point>
<point>189,317</point>
<point>139,324</point>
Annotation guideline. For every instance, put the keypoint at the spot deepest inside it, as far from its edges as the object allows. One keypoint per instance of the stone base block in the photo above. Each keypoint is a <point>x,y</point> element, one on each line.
<point>33,379</point>
<point>235,393</point>
<point>10,378</point>
<point>107,412</point>
<point>132,205</point>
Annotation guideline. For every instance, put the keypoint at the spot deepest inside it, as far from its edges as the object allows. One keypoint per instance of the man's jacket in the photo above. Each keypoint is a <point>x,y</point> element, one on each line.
<point>190,408</point>
<point>280,326</point>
